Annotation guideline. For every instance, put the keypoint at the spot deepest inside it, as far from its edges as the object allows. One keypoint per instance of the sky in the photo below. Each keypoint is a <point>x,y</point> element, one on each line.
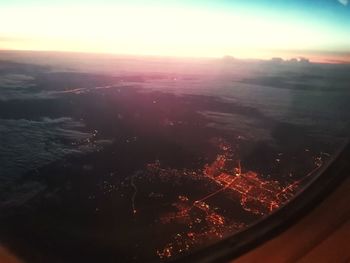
<point>317,29</point>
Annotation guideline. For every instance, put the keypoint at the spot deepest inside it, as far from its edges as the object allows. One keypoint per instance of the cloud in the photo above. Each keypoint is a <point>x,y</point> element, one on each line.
<point>27,145</point>
<point>31,144</point>
<point>244,126</point>
<point>15,80</point>
<point>344,2</point>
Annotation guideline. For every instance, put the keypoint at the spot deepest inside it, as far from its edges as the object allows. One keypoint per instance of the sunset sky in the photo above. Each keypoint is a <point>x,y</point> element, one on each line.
<point>319,29</point>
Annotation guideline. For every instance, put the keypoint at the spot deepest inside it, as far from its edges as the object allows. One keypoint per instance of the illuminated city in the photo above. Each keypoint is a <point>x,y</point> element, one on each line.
<point>203,222</point>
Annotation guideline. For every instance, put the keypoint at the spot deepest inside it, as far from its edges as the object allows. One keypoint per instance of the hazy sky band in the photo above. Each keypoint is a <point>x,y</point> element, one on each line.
<point>180,28</point>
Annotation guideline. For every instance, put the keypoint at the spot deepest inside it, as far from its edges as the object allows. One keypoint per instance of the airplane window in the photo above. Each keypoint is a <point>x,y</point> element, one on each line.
<point>144,131</point>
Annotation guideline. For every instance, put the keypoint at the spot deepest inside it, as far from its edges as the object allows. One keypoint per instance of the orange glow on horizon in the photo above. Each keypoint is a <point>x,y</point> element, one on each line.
<point>159,32</point>
<point>239,54</point>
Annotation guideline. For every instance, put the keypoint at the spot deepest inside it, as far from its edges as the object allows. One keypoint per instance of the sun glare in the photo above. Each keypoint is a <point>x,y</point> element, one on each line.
<point>152,31</point>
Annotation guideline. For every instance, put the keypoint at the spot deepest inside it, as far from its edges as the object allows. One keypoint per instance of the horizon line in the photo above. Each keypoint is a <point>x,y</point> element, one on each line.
<point>159,56</point>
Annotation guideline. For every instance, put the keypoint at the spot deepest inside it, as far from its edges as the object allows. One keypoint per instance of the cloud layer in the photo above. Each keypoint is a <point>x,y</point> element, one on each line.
<point>344,2</point>
<point>30,144</point>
